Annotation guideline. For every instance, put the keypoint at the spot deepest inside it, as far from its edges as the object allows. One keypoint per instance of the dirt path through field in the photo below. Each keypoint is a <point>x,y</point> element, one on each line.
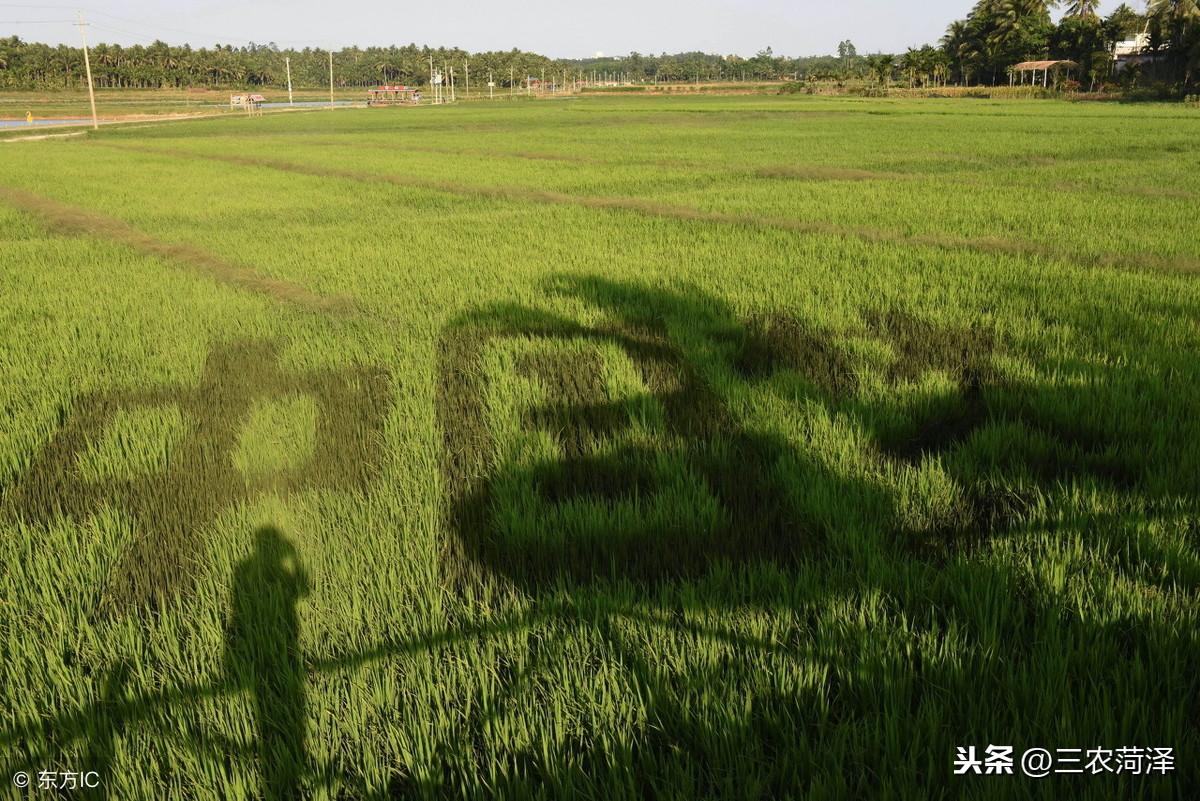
<point>982,244</point>
<point>64,218</point>
<point>39,137</point>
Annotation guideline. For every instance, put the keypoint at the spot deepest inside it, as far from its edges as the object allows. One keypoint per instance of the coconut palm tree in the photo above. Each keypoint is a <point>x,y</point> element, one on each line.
<point>965,46</point>
<point>1082,8</point>
<point>385,68</point>
<point>1183,10</point>
<point>1182,19</point>
<point>881,66</point>
<point>1012,17</point>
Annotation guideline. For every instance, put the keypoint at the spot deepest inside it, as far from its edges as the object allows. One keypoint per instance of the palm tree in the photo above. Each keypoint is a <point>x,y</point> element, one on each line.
<point>1183,18</point>
<point>385,69</point>
<point>1082,8</point>
<point>954,44</point>
<point>882,66</point>
<point>1012,17</point>
<point>1175,9</point>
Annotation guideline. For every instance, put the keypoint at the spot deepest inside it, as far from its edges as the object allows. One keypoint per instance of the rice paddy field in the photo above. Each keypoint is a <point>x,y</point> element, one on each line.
<point>612,448</point>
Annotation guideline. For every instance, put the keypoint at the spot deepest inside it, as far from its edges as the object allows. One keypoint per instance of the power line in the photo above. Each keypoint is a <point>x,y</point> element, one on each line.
<point>118,31</point>
<point>140,24</point>
<point>148,32</point>
<point>168,29</point>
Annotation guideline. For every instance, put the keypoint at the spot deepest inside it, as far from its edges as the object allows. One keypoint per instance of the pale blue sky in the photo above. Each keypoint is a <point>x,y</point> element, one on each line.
<point>557,29</point>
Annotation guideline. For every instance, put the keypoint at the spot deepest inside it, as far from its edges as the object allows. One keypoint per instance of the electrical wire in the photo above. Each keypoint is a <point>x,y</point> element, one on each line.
<point>118,31</point>
<point>148,32</point>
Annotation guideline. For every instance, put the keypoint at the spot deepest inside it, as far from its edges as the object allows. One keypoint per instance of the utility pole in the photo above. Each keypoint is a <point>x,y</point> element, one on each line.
<point>467,70</point>
<point>510,83</point>
<point>491,86</point>
<point>288,63</point>
<point>87,65</point>
<point>331,79</point>
<point>431,84</point>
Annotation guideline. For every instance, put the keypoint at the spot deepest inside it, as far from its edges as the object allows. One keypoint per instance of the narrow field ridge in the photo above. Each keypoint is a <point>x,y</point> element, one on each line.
<point>653,208</point>
<point>74,220</point>
<point>815,172</point>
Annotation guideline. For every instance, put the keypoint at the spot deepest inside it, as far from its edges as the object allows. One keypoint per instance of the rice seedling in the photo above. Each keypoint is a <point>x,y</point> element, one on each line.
<point>750,447</point>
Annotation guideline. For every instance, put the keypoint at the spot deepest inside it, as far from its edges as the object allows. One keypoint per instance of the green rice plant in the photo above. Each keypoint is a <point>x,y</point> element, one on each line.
<point>279,435</point>
<point>686,447</point>
<point>137,443</point>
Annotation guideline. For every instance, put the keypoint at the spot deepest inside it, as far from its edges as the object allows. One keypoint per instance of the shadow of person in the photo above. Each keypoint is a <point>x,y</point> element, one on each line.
<point>263,654</point>
<point>103,730</point>
<point>169,504</point>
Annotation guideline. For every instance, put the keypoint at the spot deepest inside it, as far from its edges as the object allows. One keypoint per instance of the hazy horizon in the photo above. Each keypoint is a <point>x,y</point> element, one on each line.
<point>622,26</point>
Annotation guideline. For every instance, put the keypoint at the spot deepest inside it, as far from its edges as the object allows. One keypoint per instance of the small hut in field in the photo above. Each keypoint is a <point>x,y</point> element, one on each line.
<point>252,103</point>
<point>1017,72</point>
<point>390,95</point>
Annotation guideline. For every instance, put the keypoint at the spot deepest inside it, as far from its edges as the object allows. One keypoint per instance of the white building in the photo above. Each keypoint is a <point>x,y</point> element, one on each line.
<point>1132,47</point>
<point>1132,51</point>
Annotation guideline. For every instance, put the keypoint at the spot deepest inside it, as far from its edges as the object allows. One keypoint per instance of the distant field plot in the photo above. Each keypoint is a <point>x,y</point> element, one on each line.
<point>615,447</point>
<point>110,102</point>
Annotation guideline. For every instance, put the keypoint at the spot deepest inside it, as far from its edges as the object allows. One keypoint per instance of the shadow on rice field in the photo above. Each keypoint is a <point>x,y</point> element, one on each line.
<point>657,484</point>
<point>603,485</point>
<point>657,537</point>
<point>262,657</point>
<point>170,460</point>
<point>623,500</point>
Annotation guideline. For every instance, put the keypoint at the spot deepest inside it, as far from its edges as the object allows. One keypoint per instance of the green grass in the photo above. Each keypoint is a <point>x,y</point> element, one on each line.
<point>617,447</point>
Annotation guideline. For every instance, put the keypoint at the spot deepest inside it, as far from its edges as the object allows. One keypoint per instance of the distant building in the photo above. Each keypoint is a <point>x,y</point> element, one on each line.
<point>253,104</point>
<point>246,101</point>
<point>1133,51</point>
<point>1018,72</point>
<point>392,95</point>
<point>1132,47</point>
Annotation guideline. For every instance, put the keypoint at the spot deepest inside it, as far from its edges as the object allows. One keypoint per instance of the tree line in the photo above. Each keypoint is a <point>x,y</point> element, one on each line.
<point>999,33</point>
<point>978,49</point>
<point>30,65</point>
<point>764,65</point>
